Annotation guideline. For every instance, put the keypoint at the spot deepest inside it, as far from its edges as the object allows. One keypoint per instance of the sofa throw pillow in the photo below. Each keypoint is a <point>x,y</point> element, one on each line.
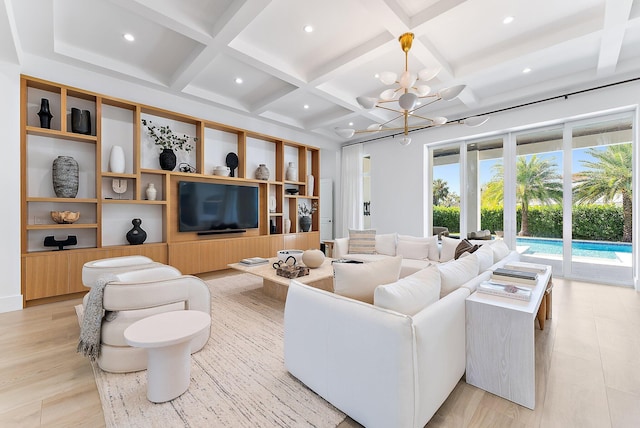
<point>386,244</point>
<point>359,281</point>
<point>485,257</point>
<point>464,247</point>
<point>413,247</point>
<point>448,248</point>
<point>500,250</point>
<point>456,273</point>
<point>411,294</point>
<point>362,241</point>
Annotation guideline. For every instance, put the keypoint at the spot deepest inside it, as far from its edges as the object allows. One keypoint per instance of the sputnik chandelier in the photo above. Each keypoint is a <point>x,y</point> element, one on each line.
<point>408,95</point>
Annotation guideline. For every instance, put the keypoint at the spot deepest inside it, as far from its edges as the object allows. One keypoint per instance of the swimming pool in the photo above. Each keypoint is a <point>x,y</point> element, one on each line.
<point>603,250</point>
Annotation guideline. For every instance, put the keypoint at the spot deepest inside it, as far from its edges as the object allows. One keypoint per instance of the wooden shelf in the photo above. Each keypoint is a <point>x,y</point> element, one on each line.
<point>119,122</point>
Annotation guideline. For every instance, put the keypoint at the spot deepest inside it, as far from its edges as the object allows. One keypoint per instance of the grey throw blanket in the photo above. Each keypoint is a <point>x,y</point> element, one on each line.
<point>89,343</point>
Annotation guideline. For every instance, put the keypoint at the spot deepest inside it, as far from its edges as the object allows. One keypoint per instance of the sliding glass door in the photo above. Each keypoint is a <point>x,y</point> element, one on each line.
<point>602,200</point>
<point>561,195</point>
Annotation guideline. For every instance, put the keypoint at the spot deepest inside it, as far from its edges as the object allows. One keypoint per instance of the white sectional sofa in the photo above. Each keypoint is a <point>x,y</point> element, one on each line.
<point>392,363</point>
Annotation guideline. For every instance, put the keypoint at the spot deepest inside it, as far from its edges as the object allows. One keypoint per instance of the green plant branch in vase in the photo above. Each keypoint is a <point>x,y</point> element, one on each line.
<point>164,137</point>
<point>305,210</point>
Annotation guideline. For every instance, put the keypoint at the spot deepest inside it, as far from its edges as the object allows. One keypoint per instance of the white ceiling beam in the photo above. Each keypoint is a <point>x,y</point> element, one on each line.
<point>10,48</point>
<point>616,16</point>
<point>227,27</point>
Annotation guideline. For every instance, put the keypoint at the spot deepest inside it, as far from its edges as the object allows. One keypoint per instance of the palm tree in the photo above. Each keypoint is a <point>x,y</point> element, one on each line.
<point>607,177</point>
<point>440,191</point>
<point>536,181</point>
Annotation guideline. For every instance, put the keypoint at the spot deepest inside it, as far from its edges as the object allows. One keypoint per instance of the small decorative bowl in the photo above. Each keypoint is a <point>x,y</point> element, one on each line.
<point>222,170</point>
<point>292,191</point>
<point>285,254</point>
<point>65,217</point>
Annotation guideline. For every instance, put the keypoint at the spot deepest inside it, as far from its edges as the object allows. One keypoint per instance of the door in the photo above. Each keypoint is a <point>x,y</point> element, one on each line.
<point>326,209</point>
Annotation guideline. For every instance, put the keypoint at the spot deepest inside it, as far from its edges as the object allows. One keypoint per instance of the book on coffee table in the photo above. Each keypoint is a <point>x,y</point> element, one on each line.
<point>254,261</point>
<point>505,290</point>
<point>526,267</point>
<point>502,276</point>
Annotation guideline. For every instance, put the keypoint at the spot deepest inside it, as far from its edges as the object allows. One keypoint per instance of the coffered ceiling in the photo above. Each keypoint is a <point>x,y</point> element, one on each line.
<point>198,48</point>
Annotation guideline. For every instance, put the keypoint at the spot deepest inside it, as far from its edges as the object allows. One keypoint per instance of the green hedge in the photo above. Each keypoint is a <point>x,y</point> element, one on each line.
<point>590,222</point>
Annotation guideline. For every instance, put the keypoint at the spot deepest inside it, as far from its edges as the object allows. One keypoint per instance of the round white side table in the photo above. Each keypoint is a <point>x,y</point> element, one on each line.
<point>167,338</point>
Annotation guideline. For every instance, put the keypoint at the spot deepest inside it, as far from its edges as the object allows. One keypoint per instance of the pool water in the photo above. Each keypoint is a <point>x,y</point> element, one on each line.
<point>603,250</point>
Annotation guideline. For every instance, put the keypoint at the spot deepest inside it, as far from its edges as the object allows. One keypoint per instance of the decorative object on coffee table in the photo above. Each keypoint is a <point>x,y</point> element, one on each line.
<point>295,271</point>
<point>232,163</point>
<point>262,173</point>
<point>65,217</point>
<point>50,241</point>
<point>80,121</point>
<point>313,258</point>
<point>284,255</point>
<point>136,235</point>
<point>168,141</point>
<point>45,114</point>
<point>65,177</point>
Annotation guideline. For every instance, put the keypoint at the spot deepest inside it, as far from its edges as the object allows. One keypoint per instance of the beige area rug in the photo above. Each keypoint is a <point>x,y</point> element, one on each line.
<point>237,380</point>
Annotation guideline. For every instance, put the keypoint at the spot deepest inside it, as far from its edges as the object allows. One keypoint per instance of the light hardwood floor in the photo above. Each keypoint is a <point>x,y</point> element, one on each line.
<point>587,369</point>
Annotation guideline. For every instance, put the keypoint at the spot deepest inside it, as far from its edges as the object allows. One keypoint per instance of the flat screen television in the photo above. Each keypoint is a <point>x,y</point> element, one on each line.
<point>216,208</point>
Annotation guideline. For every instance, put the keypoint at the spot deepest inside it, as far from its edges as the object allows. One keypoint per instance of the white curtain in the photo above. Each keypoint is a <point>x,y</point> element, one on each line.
<point>351,192</point>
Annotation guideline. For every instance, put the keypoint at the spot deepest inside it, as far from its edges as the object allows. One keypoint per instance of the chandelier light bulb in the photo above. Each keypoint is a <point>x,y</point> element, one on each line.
<point>476,120</point>
<point>408,101</point>
<point>448,94</point>
<point>407,80</point>
<point>440,120</point>
<point>388,77</point>
<point>345,132</point>
<point>423,90</point>
<point>427,74</point>
<point>405,141</point>
<point>388,94</point>
<point>367,102</point>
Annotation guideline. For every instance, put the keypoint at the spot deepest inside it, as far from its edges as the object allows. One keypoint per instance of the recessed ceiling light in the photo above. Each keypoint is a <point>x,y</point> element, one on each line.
<point>128,37</point>
<point>350,123</point>
<point>306,106</point>
<point>508,20</point>
<point>238,80</point>
<point>308,29</point>
<point>377,76</point>
<point>526,70</point>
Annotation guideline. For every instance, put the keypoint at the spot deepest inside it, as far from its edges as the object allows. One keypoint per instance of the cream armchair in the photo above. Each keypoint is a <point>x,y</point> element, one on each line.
<point>140,293</point>
<point>93,270</point>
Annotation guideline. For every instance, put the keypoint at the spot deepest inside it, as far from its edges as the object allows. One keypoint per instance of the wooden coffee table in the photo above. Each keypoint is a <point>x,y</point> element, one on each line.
<point>277,286</point>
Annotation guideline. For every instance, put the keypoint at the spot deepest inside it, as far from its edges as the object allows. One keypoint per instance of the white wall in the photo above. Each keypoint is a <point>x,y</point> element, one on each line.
<point>397,178</point>
<point>10,298</point>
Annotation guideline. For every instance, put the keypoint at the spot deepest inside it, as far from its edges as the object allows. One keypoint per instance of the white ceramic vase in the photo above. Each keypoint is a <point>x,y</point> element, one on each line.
<point>116,160</point>
<point>152,192</point>
<point>310,183</point>
<point>287,225</point>
<point>292,172</point>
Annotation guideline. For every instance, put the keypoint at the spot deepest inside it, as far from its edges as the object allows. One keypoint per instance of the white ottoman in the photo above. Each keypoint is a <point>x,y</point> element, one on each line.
<point>167,338</point>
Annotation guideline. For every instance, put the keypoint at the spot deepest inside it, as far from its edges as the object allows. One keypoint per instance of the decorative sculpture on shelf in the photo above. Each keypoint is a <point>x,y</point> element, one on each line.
<point>50,241</point>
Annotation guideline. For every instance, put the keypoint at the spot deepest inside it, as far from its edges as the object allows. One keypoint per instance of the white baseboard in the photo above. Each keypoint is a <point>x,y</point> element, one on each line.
<point>11,303</point>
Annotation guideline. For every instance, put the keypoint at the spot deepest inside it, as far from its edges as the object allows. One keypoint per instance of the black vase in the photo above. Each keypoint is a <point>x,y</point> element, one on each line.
<point>136,235</point>
<point>45,114</point>
<point>305,223</point>
<point>80,121</point>
<point>167,160</point>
